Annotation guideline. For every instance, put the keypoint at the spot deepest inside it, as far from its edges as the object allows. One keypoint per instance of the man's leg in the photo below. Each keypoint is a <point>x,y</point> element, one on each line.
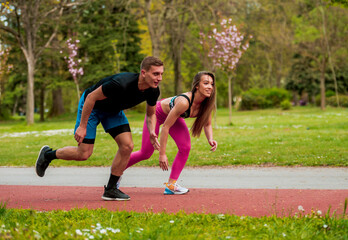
<point>125,148</point>
<point>46,155</point>
<point>80,153</point>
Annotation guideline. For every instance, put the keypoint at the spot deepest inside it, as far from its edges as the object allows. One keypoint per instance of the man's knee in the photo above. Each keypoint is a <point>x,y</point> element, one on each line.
<point>126,148</point>
<point>84,155</point>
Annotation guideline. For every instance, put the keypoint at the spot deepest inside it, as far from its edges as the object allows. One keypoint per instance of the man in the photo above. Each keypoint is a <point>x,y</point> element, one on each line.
<point>104,102</point>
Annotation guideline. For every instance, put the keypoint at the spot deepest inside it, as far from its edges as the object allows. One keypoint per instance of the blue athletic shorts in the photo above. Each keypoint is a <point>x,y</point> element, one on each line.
<point>113,123</point>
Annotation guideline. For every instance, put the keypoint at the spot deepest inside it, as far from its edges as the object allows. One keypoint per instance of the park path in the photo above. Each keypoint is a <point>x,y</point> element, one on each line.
<point>248,191</point>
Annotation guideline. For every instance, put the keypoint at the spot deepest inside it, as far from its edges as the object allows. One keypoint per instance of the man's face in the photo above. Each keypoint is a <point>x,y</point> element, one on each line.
<point>153,76</point>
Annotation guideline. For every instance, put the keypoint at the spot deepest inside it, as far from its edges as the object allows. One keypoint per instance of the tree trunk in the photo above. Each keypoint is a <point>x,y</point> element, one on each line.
<point>57,103</point>
<point>42,104</point>
<point>322,84</point>
<point>30,90</point>
<point>156,26</point>
<point>177,73</point>
<point>77,90</point>
<point>230,98</point>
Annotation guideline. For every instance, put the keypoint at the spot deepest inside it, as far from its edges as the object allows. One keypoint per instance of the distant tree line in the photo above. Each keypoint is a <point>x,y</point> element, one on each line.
<point>299,46</point>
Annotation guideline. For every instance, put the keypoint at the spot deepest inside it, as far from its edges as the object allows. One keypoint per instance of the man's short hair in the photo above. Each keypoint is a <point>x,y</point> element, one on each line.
<point>150,61</point>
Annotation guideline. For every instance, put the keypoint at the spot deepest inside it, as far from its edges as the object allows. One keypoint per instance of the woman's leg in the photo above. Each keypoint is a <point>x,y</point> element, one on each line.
<point>146,150</point>
<point>181,135</point>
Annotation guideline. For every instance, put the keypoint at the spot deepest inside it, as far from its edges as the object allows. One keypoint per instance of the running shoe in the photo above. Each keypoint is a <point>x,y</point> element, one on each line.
<point>114,194</point>
<point>174,188</point>
<point>41,162</point>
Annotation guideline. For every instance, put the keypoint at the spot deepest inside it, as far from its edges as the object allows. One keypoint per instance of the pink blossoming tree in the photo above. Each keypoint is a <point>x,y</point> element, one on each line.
<point>73,63</point>
<point>226,46</point>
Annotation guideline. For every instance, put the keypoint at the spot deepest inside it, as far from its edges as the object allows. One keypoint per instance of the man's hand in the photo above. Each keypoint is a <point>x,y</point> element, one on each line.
<point>154,141</point>
<point>163,162</point>
<point>80,134</point>
<point>214,144</point>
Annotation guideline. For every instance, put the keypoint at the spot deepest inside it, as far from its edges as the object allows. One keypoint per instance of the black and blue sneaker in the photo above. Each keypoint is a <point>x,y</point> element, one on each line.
<point>114,194</point>
<point>41,162</point>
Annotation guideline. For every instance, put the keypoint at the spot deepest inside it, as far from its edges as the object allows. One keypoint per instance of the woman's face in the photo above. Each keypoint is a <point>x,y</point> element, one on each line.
<point>206,85</point>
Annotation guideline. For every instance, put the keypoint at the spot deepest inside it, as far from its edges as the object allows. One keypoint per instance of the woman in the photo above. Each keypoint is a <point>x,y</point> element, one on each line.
<point>199,104</point>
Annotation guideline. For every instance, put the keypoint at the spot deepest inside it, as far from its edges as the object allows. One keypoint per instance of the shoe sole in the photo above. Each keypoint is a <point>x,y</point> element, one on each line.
<point>38,160</point>
<point>169,192</point>
<point>115,199</point>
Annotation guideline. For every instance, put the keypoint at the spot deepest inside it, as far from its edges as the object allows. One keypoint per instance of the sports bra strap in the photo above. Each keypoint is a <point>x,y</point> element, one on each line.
<point>187,113</point>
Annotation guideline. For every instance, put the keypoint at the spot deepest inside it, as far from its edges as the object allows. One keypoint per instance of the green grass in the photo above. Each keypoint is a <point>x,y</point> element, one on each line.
<point>104,224</point>
<point>302,136</point>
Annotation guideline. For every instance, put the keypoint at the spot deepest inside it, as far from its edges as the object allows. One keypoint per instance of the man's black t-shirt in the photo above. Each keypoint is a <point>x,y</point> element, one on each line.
<point>122,92</point>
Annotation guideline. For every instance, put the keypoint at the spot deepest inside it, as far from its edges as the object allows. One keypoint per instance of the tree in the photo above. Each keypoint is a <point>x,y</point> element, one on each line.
<point>156,16</point>
<point>228,45</point>
<point>73,64</point>
<point>317,35</point>
<point>24,23</point>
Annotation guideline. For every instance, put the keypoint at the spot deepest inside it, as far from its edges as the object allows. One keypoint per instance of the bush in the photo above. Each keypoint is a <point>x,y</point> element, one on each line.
<point>328,94</point>
<point>285,105</point>
<point>332,101</point>
<point>263,98</point>
<point>5,113</point>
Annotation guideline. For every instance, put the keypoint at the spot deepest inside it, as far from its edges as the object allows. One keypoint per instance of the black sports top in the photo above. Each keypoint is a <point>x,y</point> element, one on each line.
<point>187,113</point>
<point>122,92</point>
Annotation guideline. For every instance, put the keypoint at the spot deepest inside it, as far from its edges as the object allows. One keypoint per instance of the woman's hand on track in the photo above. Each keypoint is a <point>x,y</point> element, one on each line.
<point>163,162</point>
<point>213,144</point>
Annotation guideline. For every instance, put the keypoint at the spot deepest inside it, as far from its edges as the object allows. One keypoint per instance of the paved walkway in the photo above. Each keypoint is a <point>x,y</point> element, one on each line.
<point>252,191</point>
<point>222,177</point>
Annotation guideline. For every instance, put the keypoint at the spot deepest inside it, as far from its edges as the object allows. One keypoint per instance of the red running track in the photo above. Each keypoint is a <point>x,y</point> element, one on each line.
<point>242,202</point>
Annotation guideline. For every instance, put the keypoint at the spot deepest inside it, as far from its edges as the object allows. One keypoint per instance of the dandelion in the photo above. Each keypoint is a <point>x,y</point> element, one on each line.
<point>221,216</point>
<point>171,221</point>
<point>116,230</point>
<point>103,231</point>
<point>284,235</point>
<point>300,208</point>
<point>91,237</point>
<point>319,212</point>
<point>78,232</point>
<point>265,225</point>
<point>325,226</point>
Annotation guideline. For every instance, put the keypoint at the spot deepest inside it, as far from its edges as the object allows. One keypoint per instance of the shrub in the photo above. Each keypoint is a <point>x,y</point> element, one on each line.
<point>263,98</point>
<point>328,94</point>
<point>332,101</point>
<point>285,105</point>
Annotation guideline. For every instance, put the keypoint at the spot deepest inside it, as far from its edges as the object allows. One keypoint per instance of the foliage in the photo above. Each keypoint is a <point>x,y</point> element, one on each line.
<point>332,101</point>
<point>285,105</point>
<point>227,45</point>
<point>73,64</point>
<point>263,98</point>
<point>5,69</point>
<point>107,35</point>
<point>105,224</point>
<point>285,51</point>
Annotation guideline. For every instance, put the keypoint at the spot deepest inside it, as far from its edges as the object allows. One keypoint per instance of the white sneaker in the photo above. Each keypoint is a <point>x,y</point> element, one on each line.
<point>174,188</point>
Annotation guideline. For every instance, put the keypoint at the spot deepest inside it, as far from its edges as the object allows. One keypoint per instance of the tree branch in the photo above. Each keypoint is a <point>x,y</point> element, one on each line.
<point>40,50</point>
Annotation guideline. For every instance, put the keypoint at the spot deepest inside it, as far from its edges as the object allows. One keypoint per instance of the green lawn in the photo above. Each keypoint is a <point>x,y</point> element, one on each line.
<point>302,136</point>
<point>104,224</point>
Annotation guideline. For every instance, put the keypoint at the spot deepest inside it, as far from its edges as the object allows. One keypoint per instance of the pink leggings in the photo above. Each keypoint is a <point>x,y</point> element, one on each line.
<point>179,132</point>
